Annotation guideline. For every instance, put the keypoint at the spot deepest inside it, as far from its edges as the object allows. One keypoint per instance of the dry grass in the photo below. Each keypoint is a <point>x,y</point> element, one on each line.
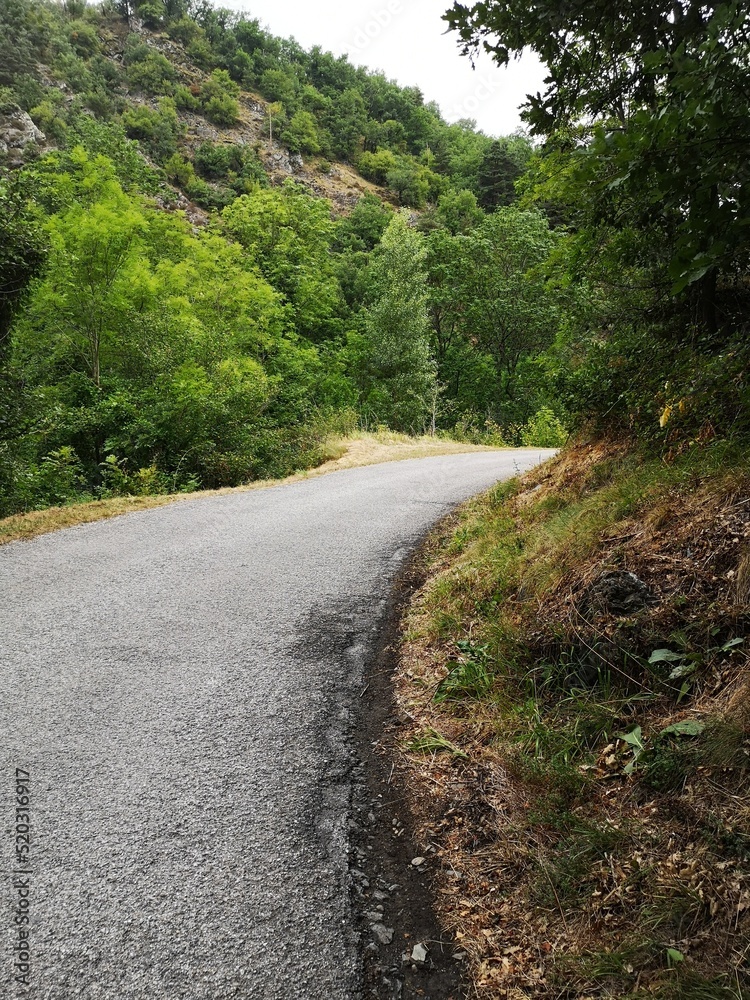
<point>562,875</point>
<point>345,453</point>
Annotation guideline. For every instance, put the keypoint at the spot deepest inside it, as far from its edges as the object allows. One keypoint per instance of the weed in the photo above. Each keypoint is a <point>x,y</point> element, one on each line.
<point>431,741</point>
<point>688,985</point>
<point>470,677</point>
<point>568,875</point>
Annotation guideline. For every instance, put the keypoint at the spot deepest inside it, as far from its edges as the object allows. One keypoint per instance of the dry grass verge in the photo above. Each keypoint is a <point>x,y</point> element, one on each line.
<point>574,690</point>
<point>342,453</point>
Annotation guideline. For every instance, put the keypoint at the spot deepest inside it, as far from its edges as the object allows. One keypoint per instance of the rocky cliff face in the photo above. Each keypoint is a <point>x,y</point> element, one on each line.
<point>17,131</point>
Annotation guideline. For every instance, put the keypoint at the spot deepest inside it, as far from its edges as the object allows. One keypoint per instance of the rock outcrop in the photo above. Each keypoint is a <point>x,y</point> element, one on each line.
<point>17,131</point>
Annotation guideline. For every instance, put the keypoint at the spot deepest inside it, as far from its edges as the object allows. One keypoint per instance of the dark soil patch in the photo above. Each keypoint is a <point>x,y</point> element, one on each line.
<point>383,840</point>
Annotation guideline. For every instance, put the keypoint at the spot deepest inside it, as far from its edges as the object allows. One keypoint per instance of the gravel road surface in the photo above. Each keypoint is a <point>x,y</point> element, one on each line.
<point>181,686</point>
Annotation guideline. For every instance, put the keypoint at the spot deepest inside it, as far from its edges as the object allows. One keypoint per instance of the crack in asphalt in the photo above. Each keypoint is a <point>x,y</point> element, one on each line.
<point>177,689</point>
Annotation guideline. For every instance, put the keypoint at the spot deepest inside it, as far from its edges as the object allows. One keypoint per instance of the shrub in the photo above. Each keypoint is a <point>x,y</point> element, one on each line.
<point>218,98</point>
<point>544,430</point>
<point>28,92</point>
<point>183,97</point>
<point>148,70</point>
<point>301,134</point>
<point>376,166</point>
<point>74,71</point>
<point>152,13</point>
<point>185,31</point>
<point>214,161</point>
<point>83,38</point>
<point>158,130</point>
<point>179,171</point>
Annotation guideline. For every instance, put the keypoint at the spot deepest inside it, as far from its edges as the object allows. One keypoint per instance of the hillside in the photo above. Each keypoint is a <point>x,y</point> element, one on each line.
<point>573,695</point>
<point>219,250</point>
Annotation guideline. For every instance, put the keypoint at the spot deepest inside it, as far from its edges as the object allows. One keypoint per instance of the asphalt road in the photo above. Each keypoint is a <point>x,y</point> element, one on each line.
<point>180,685</point>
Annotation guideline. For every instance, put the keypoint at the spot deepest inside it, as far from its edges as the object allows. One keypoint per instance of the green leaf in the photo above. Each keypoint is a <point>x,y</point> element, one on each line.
<point>684,691</point>
<point>732,644</point>
<point>683,670</point>
<point>666,656</point>
<point>635,738</point>
<point>674,957</point>
<point>688,728</point>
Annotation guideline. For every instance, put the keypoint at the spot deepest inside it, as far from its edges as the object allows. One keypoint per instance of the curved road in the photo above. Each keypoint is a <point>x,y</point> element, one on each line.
<point>181,684</point>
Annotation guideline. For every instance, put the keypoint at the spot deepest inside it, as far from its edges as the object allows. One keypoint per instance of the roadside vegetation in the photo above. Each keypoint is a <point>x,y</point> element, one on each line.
<point>183,310</point>
<point>336,453</point>
<point>574,686</point>
<point>574,679</point>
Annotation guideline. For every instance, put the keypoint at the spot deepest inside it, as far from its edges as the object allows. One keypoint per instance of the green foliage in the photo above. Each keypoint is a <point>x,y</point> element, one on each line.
<point>458,212</point>
<point>287,233</point>
<point>151,358</point>
<point>156,129</point>
<point>663,93</point>
<point>277,85</point>
<point>218,98</point>
<point>470,677</point>
<point>544,430</point>
<point>83,38</point>
<point>492,309</point>
<point>301,134</point>
<point>336,315</point>
<point>109,139</point>
<point>377,166</point>
<point>503,164</point>
<point>146,69</point>
<point>399,372</point>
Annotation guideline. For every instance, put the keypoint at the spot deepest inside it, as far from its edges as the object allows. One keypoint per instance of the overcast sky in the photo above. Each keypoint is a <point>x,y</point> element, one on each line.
<point>406,40</point>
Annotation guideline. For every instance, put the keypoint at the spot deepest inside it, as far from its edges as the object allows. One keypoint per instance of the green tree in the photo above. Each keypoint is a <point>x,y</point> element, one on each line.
<point>288,234</point>
<point>219,98</point>
<point>301,134</point>
<point>662,89</point>
<point>491,309</point>
<point>95,270</point>
<point>400,384</point>
<point>503,163</point>
<point>377,166</point>
<point>458,211</point>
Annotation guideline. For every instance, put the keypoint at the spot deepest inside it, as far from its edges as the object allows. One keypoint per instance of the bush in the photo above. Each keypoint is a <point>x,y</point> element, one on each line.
<point>74,71</point>
<point>544,430</point>
<point>184,98</point>
<point>218,98</point>
<point>49,119</point>
<point>180,171</point>
<point>152,13</point>
<point>214,161</point>
<point>147,69</point>
<point>83,38</point>
<point>157,130</point>
<point>28,92</point>
<point>58,479</point>
<point>100,104</point>
<point>376,166</point>
<point>301,134</point>
<point>185,31</point>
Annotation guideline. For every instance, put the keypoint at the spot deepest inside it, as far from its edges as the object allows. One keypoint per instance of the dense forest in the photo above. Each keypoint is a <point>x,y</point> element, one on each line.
<point>176,315</point>
<point>181,308</point>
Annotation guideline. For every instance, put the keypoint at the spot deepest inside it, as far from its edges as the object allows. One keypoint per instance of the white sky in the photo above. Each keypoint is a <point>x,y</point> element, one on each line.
<point>406,40</point>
